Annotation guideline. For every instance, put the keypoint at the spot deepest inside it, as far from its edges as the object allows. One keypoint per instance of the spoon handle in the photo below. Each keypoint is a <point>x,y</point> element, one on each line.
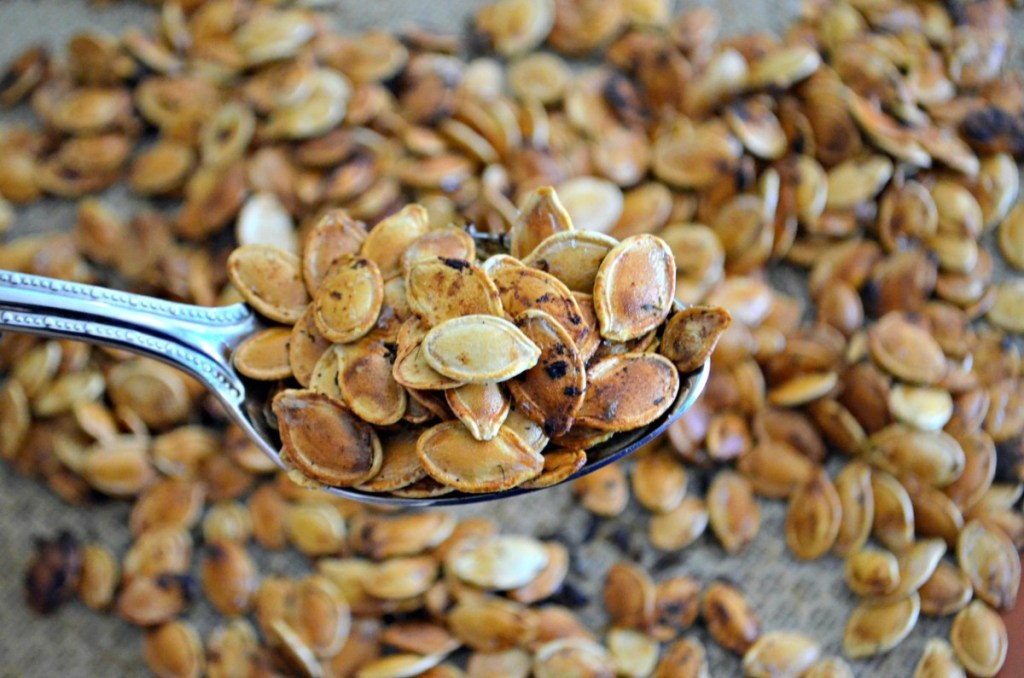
<point>193,338</point>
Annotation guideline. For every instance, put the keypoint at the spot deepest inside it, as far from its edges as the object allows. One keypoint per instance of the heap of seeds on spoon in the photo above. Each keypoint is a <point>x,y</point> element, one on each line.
<point>869,153</point>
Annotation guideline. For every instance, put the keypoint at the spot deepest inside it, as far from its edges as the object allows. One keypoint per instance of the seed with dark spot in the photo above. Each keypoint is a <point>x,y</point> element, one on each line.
<point>557,369</point>
<point>457,264</point>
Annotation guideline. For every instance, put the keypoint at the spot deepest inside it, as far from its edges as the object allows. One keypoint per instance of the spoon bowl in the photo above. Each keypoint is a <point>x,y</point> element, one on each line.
<point>201,341</point>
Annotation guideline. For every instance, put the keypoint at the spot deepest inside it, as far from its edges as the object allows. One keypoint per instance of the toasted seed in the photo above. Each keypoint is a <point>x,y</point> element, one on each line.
<point>733,511</point>
<point>572,656</point>
<point>148,601</point>
<point>422,638</point>
<point>634,287</point>
<point>937,661</point>
<point>872,572</point>
<point>228,576</point>
<point>990,561</point>
<point>905,350</point>
<point>1011,237</point>
<point>401,578</point>
<point>927,409</point>
<point>315,528</point>
<point>293,650</point>
<point>227,521</point>
<point>934,457</point>
<point>99,577</point>
<point>306,345</point>
<point>573,257</point>
<point>453,457</point>
<point>780,653</point>
<point>628,391</point>
<point>516,26</point>
<point>446,243</point>
<point>315,428</point>
<point>1006,308</point>
<point>412,370</point>
<point>267,508</point>
<point>679,527</point>
<point>593,204</point>
<point>400,536</point>
<point>729,618</point>
<point>876,628</point>
<point>813,518</point>
<point>633,652</point>
<point>917,564</point>
<point>523,289</point>
<point>856,500</point>
<point>174,650</point>
<point>367,384</point>
<point>492,624</point>
<point>829,667</point>
<point>659,481</point>
<point>265,355</point>
<point>499,563</point>
<point>803,389</point>
<point>692,334</point>
<point>551,392</point>
<point>684,658</point>
<point>400,466</point>
<point>389,239</point>
<point>979,639</point>
<point>348,302</point>
<point>935,514</point>
<point>270,279</point>
<point>118,467</point>
<point>559,466</point>
<point>440,289</point>
<point>542,215</point>
<point>162,550</point>
<point>629,596</point>
<point>15,418</point>
<point>479,349</point>
<point>893,523</point>
<point>946,592</point>
<point>548,580</point>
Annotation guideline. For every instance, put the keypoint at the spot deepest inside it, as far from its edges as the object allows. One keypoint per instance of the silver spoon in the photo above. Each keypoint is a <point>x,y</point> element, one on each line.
<point>201,341</point>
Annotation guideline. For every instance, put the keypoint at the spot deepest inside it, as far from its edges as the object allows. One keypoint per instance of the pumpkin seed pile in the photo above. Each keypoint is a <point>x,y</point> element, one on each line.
<point>554,352</point>
<point>868,155</point>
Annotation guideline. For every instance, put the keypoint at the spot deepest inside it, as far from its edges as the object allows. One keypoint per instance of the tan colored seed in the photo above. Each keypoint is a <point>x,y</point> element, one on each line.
<point>389,239</point>
<point>876,628</point>
<point>979,639</point>
<point>227,521</point>
<point>780,653</point>
<point>629,596</point>
<point>559,466</point>
<point>499,563</point>
<point>643,386</point>
<point>572,656</point>
<point>691,335</point>
<point>315,528</point>
<point>270,279</point>
<point>905,350</point>
<point>946,592</point>
<point>453,457</point>
<point>990,561</point>
<point>934,457</point>
<point>264,355</point>
<point>229,577</point>
<point>573,257</point>
<point>813,518</point>
<point>684,658</point>
<point>492,624</point>
<point>367,385</point>
<point>938,661</point>
<point>99,577</point>
<point>1006,307</point>
<point>872,572</point>
<point>635,287</point>
<point>593,204</point>
<point>729,618</point>
<point>634,653</point>
<point>440,289</point>
<point>349,299</point>
<point>733,512</point>
<point>857,507</point>
<point>679,527</point>
<point>829,667</point>
<point>479,349</point>
<point>314,428</point>
<point>174,650</point>
<point>893,523</point>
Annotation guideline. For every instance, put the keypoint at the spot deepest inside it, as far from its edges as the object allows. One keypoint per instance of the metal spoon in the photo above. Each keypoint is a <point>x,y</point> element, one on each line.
<point>201,341</point>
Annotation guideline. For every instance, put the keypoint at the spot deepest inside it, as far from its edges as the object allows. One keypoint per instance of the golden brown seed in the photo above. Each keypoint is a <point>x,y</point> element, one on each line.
<point>934,457</point>
<point>938,661</point>
<point>482,408</point>
<point>979,639</point>
<point>516,26</point>
<point>170,502</point>
<point>593,204</point>
<point>523,289</point>
<point>857,507</point>
<point>227,521</point>
<point>679,527</point>
<point>829,667</point>
<point>453,457</point>
<point>406,535</point>
<point>174,650</point>
<point>15,418</point>
<point>642,386</point>
<point>401,467</point>
<point>367,385</point>
<point>229,648</point>
<point>267,509</point>
<point>542,215</point>
<point>118,467</point>
<point>905,350</point>
<point>551,392</point>
<point>1006,307</point>
<point>691,335</point>
<point>635,287</point>
<point>99,577</point>
<point>228,576</point>
<point>684,658</point>
<point>876,628</point>
<point>573,257</point>
<point>270,279</point>
<point>872,573</point>
<point>148,601</point>
<point>550,578</point>
<point>803,389</point>
<point>729,618</point>
<point>813,518</point>
<point>479,349</point>
<point>780,653</point>
<point>990,561</point>
<point>629,596</point>
<point>440,289</point>
<point>572,656</point>
<point>893,523</point>
<point>499,563</point>
<point>315,528</point>
<point>634,653</point>
<point>315,428</point>
<point>265,355</point>
<point>559,466</point>
<point>1011,237</point>
<point>401,578</point>
<point>389,239</point>
<point>946,592</point>
<point>659,481</point>
<point>603,492</point>
<point>349,299</point>
<point>492,624</point>
<point>733,511</point>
